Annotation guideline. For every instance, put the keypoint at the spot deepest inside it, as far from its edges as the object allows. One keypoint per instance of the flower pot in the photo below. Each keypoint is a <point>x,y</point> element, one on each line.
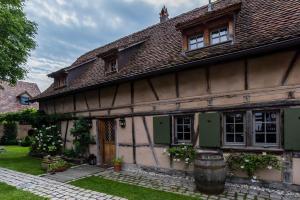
<point>117,167</point>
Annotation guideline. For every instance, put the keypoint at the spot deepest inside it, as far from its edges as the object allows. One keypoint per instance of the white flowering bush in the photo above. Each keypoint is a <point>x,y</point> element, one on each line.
<point>47,140</point>
<point>250,163</point>
<point>182,153</point>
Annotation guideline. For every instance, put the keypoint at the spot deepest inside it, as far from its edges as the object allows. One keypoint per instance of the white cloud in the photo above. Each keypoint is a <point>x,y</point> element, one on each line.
<point>39,68</point>
<point>171,3</point>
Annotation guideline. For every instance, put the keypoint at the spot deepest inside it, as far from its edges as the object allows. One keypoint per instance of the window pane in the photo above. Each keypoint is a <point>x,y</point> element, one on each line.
<point>260,138</point>
<point>187,136</point>
<point>215,34</point>
<point>239,128</point>
<point>187,120</point>
<point>179,128</point>
<point>215,40</point>
<point>180,136</point>
<point>193,46</point>
<point>229,118</point>
<point>271,138</point>
<point>200,45</point>
<point>260,127</point>
<point>223,31</point>
<point>187,128</point>
<point>271,127</point>
<point>230,128</point>
<point>179,120</point>
<point>224,38</point>
<point>229,137</point>
<point>239,138</point>
<point>239,118</point>
<point>271,117</point>
<point>259,117</point>
<point>193,40</point>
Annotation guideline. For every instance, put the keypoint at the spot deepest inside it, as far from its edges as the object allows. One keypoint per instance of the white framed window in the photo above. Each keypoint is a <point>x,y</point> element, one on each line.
<point>111,65</point>
<point>24,100</point>
<point>196,42</point>
<point>219,35</point>
<point>266,128</point>
<point>183,129</point>
<point>234,128</point>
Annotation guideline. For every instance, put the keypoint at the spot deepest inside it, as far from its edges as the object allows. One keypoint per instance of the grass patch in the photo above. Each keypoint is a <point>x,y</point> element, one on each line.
<point>124,190</point>
<point>17,158</point>
<point>11,193</point>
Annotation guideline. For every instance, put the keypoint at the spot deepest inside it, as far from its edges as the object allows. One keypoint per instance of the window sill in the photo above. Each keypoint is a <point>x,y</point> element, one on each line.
<point>252,149</point>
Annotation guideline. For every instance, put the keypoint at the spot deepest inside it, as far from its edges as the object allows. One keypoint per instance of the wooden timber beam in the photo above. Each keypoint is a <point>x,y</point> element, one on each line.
<point>246,74</point>
<point>207,76</point>
<point>290,67</point>
<point>150,141</point>
<point>153,89</point>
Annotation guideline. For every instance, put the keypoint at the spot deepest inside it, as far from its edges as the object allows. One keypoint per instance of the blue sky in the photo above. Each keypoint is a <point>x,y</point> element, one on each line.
<point>69,28</point>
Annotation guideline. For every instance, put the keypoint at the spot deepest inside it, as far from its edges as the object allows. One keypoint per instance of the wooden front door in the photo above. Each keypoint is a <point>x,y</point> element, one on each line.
<point>107,141</point>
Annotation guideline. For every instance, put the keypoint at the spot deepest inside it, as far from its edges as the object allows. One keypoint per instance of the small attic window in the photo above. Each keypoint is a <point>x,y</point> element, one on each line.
<point>111,65</point>
<point>60,82</point>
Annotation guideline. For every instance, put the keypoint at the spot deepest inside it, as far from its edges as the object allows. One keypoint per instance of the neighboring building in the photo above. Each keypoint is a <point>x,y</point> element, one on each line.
<point>15,98</point>
<point>223,76</point>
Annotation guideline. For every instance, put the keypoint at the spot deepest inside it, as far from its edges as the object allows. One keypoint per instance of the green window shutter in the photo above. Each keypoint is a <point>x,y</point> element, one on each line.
<point>292,129</point>
<point>209,130</point>
<point>162,129</point>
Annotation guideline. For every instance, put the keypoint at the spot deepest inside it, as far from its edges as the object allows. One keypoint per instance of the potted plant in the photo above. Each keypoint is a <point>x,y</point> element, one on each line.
<point>117,162</point>
<point>58,166</point>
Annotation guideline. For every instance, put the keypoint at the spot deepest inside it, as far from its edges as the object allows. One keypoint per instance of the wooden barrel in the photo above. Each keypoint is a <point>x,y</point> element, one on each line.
<point>210,172</point>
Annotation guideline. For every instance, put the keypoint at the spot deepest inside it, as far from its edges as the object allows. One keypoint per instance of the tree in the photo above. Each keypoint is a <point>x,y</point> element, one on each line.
<point>17,36</point>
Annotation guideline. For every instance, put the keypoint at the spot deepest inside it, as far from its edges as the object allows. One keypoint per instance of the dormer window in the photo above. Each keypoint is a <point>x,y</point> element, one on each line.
<point>111,65</point>
<point>196,42</point>
<point>219,35</point>
<point>60,82</point>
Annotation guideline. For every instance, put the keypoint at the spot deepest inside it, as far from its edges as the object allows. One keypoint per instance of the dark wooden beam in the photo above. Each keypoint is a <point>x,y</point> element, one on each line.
<point>74,102</point>
<point>290,67</point>
<point>66,134</point>
<point>246,74</point>
<point>177,85</point>
<point>132,122</point>
<point>87,104</point>
<point>115,95</point>
<point>150,141</point>
<point>153,89</point>
<point>99,97</point>
<point>207,76</point>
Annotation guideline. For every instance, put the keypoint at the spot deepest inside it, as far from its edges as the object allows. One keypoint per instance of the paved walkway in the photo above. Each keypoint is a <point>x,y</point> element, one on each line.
<point>186,186</point>
<point>74,173</point>
<point>49,188</point>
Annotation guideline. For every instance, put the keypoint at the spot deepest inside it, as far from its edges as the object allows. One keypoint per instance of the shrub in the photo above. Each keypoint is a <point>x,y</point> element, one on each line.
<point>82,138</point>
<point>250,163</point>
<point>185,153</point>
<point>58,166</point>
<point>9,133</point>
<point>47,141</point>
<point>70,153</point>
<point>26,142</point>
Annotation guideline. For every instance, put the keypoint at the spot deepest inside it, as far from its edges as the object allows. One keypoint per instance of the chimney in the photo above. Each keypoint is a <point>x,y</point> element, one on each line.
<point>210,6</point>
<point>164,15</point>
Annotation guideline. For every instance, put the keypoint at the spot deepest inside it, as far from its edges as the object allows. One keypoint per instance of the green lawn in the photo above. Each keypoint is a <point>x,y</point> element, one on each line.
<point>16,158</point>
<point>130,192</point>
<point>11,193</point>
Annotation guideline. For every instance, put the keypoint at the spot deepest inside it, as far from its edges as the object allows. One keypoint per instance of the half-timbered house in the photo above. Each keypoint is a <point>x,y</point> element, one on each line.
<point>223,76</point>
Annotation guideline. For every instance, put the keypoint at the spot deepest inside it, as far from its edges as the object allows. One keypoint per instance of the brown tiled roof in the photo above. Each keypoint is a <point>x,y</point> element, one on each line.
<point>9,96</point>
<point>259,23</point>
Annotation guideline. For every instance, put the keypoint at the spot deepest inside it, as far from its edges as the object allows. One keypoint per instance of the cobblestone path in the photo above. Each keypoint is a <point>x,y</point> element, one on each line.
<point>186,186</point>
<point>49,188</point>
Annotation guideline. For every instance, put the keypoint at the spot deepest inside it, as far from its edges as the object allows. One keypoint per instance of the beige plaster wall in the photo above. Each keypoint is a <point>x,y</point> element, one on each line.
<point>227,77</point>
<point>165,86</point>
<point>22,131</point>
<point>296,171</point>
<point>268,71</point>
